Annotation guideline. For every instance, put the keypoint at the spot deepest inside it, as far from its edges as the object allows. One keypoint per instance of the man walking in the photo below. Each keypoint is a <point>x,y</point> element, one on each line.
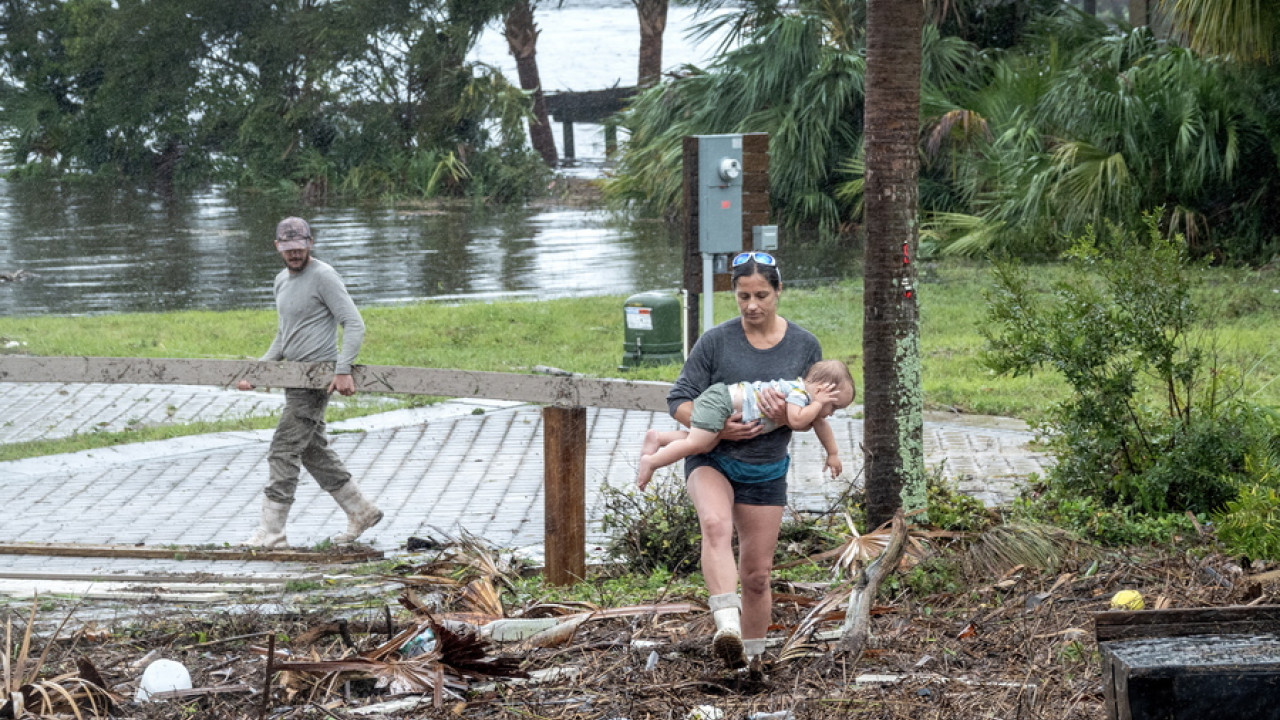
<point>312,302</point>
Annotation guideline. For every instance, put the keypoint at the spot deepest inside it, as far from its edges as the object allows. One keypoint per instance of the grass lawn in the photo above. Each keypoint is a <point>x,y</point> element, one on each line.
<point>1240,310</point>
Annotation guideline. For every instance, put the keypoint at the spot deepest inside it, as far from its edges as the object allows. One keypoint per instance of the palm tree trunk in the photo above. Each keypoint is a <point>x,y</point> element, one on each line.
<point>653,23</point>
<point>522,40</point>
<point>894,405</point>
<point>1138,13</point>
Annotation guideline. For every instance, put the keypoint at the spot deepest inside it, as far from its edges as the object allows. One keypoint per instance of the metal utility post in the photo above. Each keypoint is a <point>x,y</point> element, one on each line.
<point>726,205</point>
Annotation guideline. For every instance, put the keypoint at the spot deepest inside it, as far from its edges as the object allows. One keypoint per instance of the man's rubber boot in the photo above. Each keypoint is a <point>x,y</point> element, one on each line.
<point>270,532</point>
<point>361,514</point>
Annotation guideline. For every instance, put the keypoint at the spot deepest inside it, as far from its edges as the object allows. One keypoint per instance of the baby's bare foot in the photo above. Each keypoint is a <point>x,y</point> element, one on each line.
<point>645,472</point>
<point>651,443</point>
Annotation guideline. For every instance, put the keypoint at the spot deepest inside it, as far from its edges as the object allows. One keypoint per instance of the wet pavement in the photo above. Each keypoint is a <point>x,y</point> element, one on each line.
<point>469,465</point>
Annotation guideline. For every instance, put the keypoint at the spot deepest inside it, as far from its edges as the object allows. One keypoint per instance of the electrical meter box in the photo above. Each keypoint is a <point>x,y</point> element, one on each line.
<point>652,332</point>
<point>719,193</point>
<point>764,237</point>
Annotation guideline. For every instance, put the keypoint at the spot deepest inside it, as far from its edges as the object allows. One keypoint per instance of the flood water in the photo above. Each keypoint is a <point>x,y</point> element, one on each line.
<point>97,252</point>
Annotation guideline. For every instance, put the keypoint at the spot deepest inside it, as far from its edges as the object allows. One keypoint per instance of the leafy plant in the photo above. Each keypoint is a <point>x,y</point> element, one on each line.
<point>1150,422</point>
<point>657,529</point>
<point>950,509</point>
<point>1250,524</point>
<point>1096,521</point>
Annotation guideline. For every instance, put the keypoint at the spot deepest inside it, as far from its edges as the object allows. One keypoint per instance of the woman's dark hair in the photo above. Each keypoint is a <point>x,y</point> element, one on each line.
<point>751,267</point>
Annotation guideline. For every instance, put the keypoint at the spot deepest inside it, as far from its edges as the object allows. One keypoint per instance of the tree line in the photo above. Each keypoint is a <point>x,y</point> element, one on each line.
<point>359,98</point>
<point>1038,120</point>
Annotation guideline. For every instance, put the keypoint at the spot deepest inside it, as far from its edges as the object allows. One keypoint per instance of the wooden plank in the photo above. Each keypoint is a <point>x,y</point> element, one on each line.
<point>1180,622</point>
<point>588,105</point>
<point>188,553</point>
<point>564,442</point>
<point>562,390</point>
<point>1138,632</point>
<point>566,130</point>
<point>161,578</point>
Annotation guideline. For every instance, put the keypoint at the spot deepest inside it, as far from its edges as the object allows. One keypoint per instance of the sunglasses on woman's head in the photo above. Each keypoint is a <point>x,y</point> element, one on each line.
<point>761,258</point>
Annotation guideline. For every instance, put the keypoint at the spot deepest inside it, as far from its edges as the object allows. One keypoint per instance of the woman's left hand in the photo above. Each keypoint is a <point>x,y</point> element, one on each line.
<point>773,405</point>
<point>735,429</point>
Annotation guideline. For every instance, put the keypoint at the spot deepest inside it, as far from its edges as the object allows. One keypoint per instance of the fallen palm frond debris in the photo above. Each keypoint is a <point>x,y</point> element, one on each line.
<point>26,690</point>
<point>948,645</point>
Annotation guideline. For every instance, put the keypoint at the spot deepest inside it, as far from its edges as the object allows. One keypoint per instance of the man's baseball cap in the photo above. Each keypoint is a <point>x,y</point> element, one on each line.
<point>293,233</point>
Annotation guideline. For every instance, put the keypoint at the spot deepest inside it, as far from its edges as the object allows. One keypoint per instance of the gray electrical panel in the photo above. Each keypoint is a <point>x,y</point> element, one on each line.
<point>764,237</point>
<point>719,193</point>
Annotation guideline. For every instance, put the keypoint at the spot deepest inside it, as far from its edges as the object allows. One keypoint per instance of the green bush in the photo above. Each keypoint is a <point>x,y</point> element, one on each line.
<point>1094,520</point>
<point>950,509</point>
<point>1151,423</point>
<point>1250,524</point>
<point>656,529</point>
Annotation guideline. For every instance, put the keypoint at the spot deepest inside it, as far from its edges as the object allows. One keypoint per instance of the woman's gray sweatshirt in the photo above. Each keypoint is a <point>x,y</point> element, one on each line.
<point>723,354</point>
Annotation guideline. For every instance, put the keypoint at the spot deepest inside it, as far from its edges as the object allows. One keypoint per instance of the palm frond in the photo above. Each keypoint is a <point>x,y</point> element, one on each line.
<point>1005,546</point>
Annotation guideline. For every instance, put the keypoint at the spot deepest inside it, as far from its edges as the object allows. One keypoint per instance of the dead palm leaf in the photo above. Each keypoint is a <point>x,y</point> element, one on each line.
<point>859,549</point>
<point>482,596</point>
<point>24,691</point>
<point>417,675</point>
<point>1031,544</point>
<point>479,554</point>
<point>569,607</point>
<point>800,643</point>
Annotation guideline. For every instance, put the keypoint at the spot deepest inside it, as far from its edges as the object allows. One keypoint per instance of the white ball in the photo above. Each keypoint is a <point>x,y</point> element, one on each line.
<point>162,676</point>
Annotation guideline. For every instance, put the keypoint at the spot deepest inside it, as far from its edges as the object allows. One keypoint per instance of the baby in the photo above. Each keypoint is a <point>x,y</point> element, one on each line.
<point>827,387</point>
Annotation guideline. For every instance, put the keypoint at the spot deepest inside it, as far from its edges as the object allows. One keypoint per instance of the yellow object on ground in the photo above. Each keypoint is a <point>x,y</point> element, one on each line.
<point>1127,600</point>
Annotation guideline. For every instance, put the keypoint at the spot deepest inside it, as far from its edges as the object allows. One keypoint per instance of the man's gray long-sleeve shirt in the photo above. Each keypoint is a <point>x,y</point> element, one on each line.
<point>312,304</point>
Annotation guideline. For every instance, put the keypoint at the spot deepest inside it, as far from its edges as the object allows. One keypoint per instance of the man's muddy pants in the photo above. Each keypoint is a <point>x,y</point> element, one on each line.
<point>300,441</point>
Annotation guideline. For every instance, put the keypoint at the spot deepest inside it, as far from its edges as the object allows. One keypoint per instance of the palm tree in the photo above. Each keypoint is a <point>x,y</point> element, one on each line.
<point>1247,31</point>
<point>798,80</point>
<point>1104,126</point>
<point>522,39</point>
<point>653,23</point>
<point>894,428</point>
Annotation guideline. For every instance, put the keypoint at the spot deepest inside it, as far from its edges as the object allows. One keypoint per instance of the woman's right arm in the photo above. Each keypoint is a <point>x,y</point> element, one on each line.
<point>695,376</point>
<point>683,413</point>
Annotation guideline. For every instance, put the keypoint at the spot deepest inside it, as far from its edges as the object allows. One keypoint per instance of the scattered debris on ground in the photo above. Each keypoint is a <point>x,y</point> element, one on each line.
<point>998,640</point>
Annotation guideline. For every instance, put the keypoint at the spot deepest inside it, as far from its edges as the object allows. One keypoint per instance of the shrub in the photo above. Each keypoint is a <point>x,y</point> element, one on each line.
<point>1094,520</point>
<point>950,509</point>
<point>1250,524</point>
<point>656,529</point>
<point>1150,423</point>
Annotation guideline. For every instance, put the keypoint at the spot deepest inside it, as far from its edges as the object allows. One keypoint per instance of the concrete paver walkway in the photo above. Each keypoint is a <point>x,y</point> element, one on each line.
<point>468,464</point>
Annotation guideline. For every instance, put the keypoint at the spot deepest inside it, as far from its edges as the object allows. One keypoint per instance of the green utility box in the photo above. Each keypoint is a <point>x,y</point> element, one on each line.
<point>652,329</point>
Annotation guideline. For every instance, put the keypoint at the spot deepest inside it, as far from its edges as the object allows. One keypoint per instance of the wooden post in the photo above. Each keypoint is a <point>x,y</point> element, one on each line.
<point>569,151</point>
<point>610,138</point>
<point>564,446</point>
